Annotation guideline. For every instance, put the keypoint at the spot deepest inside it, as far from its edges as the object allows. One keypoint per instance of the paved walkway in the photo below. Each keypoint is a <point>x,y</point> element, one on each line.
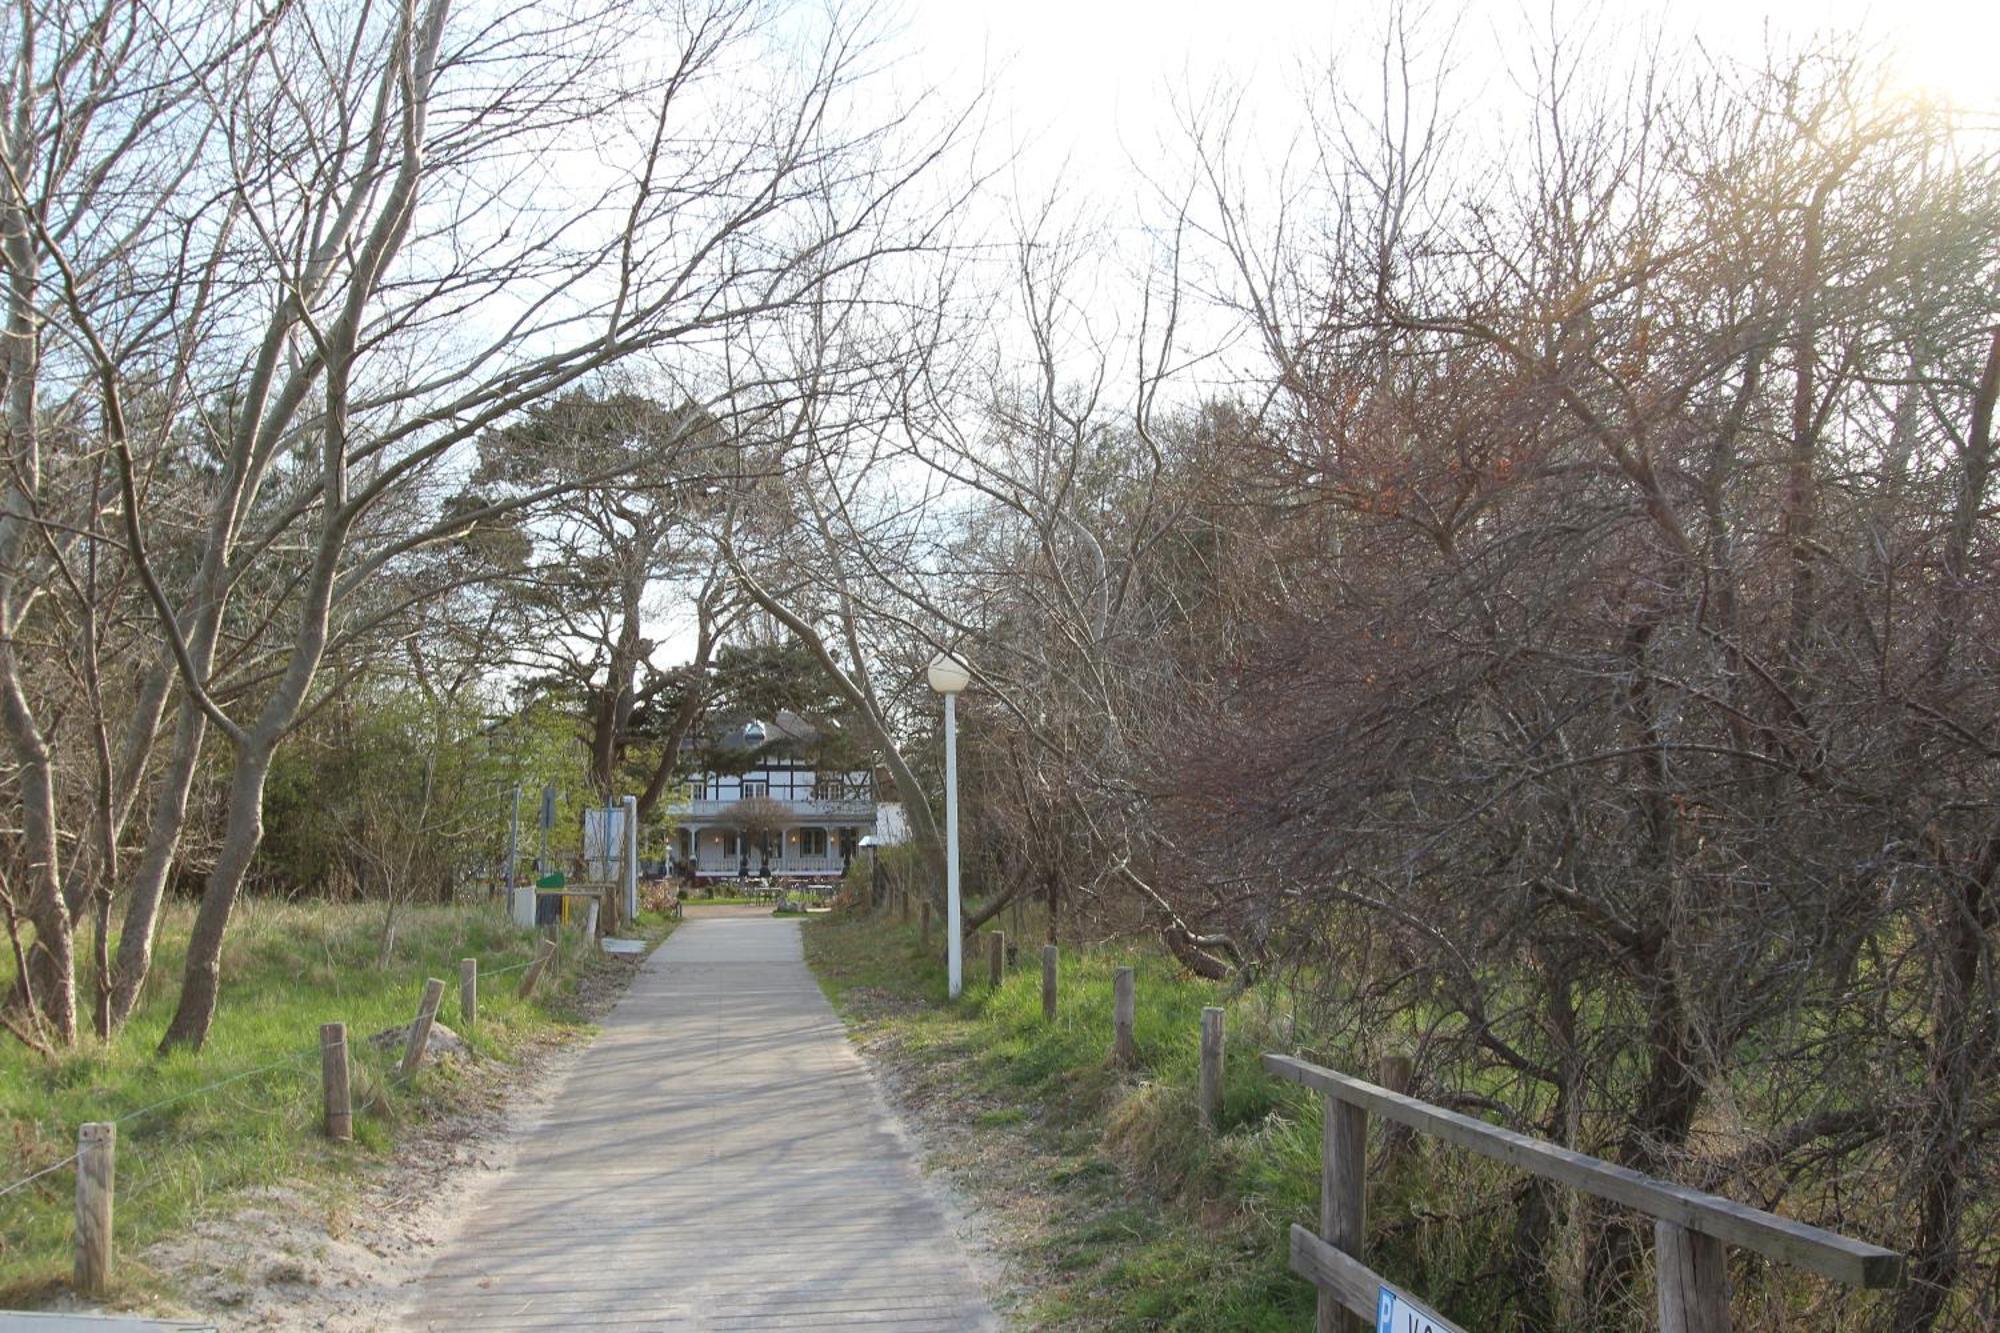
<point>719,1158</point>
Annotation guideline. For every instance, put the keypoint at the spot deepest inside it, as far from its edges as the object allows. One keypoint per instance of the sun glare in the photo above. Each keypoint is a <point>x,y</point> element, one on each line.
<point>1947,51</point>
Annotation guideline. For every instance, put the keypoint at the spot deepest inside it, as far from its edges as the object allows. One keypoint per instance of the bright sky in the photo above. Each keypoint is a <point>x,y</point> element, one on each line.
<point>1087,89</point>
<point>1090,81</point>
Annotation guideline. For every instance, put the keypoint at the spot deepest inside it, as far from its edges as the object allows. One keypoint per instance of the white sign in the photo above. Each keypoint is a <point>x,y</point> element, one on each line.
<point>1397,1313</point>
<point>604,843</point>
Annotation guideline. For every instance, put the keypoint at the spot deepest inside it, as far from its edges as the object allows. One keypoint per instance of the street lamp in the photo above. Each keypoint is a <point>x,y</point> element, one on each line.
<point>948,676</point>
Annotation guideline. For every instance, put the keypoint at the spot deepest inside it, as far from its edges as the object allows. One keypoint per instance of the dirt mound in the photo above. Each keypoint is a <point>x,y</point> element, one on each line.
<point>441,1043</point>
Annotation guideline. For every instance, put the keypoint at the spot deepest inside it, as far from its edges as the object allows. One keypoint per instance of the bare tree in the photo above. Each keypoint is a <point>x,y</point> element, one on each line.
<point>344,189</point>
<point>1611,638</point>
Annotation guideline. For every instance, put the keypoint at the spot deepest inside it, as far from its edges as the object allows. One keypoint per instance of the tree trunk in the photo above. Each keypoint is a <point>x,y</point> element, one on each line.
<point>156,861</point>
<point>1053,884</point>
<point>51,958</point>
<point>612,705</point>
<point>1801,504</point>
<point>684,717</point>
<point>1662,1117</point>
<point>244,829</point>
<point>51,972</point>
<point>974,918</point>
<point>1961,1052</point>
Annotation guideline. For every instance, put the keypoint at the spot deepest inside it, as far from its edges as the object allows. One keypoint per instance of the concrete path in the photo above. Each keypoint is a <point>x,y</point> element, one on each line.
<point>719,1158</point>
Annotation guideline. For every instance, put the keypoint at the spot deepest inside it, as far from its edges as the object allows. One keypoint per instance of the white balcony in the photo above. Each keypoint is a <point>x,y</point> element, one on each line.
<point>714,865</point>
<point>805,810</point>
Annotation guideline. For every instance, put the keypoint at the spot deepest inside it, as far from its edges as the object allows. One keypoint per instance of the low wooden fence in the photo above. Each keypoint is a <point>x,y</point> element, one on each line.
<point>1690,1227</point>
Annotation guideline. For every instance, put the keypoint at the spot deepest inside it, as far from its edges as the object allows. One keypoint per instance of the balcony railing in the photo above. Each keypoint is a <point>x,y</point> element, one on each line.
<point>803,808</point>
<point>828,866</point>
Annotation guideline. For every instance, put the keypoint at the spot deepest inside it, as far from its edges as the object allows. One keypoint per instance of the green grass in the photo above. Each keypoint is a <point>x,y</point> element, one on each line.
<point>286,969</point>
<point>1140,1219</point>
<point>1125,1215</point>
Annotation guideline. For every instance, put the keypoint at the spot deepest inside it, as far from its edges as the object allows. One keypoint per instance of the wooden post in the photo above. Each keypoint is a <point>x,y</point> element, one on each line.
<point>544,950</point>
<point>468,992</point>
<point>1211,1068</point>
<point>590,918</point>
<point>996,958</point>
<point>1049,982</point>
<point>420,1027</point>
<point>1343,1201</point>
<point>903,906</point>
<point>1395,1072</point>
<point>96,1159</point>
<point>924,915</point>
<point>1123,1005</point>
<point>333,1081</point>
<point>1693,1280</point>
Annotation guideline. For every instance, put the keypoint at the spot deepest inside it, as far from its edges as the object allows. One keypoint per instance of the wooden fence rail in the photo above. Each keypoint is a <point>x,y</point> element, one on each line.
<point>1690,1226</point>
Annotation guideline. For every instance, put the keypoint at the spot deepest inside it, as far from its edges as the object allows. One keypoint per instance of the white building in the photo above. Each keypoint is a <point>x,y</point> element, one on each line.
<point>780,817</point>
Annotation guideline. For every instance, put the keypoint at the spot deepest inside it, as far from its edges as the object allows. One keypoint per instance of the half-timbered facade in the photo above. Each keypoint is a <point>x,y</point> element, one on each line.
<point>766,805</point>
<point>783,818</point>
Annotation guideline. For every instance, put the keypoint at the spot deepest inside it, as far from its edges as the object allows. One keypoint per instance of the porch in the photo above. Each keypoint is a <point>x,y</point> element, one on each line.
<point>809,852</point>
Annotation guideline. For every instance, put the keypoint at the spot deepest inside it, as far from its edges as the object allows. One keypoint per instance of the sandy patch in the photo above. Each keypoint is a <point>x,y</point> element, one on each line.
<point>285,1258</point>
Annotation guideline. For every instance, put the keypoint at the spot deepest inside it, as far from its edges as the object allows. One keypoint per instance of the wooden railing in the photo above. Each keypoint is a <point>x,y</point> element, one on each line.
<point>1690,1227</point>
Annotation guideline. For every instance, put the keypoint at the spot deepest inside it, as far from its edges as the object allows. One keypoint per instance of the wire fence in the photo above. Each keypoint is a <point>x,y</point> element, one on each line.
<point>34,1176</point>
<point>238,1077</point>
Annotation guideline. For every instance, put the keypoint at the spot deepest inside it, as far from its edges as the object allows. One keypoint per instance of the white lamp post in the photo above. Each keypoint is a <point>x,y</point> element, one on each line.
<point>948,676</point>
<point>631,859</point>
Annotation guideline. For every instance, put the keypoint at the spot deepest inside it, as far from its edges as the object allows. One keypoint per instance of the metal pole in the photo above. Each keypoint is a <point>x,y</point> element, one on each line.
<point>548,820</point>
<point>631,858</point>
<point>954,964</point>
<point>513,844</point>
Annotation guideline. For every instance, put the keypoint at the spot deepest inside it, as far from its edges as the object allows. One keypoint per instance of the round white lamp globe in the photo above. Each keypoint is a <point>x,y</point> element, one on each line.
<point>948,675</point>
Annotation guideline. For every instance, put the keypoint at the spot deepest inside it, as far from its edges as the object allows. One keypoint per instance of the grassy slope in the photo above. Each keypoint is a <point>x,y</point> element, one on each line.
<point>286,969</point>
<point>1127,1216</point>
<point>1130,1215</point>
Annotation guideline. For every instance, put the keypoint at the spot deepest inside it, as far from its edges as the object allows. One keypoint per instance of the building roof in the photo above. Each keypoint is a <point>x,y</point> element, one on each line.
<point>741,734</point>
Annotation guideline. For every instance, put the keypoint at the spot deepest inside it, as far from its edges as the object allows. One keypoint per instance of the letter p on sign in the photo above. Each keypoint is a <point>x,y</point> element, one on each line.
<point>1397,1313</point>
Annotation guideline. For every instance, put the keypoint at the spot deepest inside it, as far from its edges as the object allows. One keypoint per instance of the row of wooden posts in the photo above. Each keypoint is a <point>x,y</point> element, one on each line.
<point>1691,1227</point>
<point>1124,1009</point>
<point>97,1142</point>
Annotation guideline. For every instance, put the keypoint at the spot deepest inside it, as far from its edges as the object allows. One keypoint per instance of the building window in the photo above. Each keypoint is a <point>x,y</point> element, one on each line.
<point>729,844</point>
<point>812,842</point>
<point>755,788</point>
